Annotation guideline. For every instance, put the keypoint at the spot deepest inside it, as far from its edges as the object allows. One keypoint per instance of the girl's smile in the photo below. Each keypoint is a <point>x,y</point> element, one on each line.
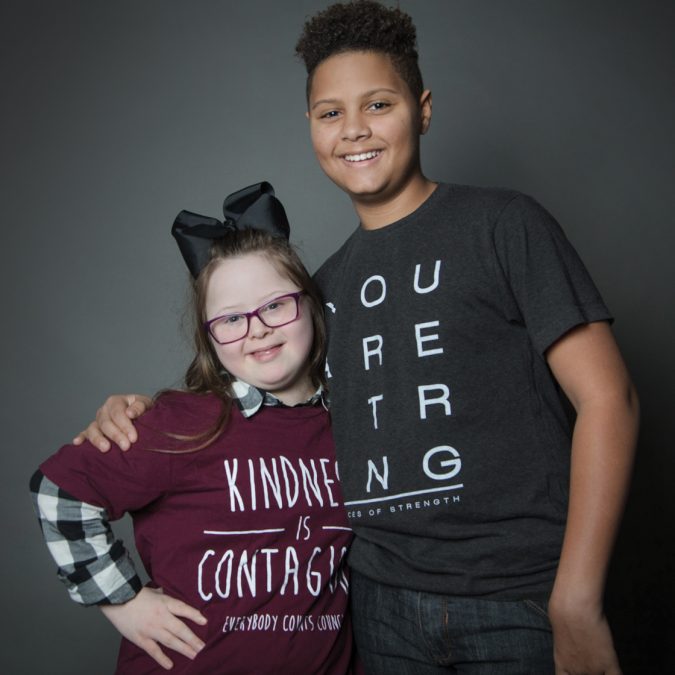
<point>266,353</point>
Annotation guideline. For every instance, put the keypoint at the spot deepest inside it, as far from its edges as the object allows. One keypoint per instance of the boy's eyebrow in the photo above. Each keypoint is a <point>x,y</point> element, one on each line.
<point>322,101</point>
<point>366,94</point>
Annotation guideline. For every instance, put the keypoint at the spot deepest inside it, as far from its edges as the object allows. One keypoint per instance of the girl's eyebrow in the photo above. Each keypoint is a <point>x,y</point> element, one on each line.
<point>366,94</point>
<point>231,309</point>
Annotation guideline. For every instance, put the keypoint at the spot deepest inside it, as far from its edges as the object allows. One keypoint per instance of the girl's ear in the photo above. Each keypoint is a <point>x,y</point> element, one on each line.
<point>425,111</point>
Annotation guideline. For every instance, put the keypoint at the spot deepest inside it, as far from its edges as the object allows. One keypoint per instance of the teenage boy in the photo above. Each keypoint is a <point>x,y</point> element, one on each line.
<point>455,313</point>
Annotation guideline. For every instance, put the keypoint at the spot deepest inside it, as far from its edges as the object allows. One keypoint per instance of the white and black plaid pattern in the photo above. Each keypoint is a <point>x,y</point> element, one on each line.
<point>249,399</point>
<point>95,568</point>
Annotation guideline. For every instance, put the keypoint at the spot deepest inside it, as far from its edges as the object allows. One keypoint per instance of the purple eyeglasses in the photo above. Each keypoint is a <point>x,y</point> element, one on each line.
<point>273,314</point>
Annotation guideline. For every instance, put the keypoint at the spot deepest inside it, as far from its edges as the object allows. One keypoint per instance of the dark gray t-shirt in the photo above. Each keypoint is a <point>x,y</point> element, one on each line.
<point>452,441</point>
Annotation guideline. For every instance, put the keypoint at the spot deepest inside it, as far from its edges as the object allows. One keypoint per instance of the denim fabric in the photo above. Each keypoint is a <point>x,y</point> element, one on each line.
<point>402,632</point>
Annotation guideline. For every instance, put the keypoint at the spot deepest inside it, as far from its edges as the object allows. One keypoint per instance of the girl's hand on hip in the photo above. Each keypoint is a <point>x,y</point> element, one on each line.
<point>151,619</point>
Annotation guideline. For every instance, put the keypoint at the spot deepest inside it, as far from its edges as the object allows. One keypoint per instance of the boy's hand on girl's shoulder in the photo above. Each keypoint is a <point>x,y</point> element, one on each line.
<point>114,422</point>
<point>582,645</point>
<point>151,619</point>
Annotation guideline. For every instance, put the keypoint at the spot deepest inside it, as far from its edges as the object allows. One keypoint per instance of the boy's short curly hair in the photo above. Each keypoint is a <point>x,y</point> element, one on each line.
<point>362,25</point>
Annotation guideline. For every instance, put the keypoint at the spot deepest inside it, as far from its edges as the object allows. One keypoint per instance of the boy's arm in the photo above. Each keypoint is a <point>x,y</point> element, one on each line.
<point>589,368</point>
<point>113,421</point>
<point>98,571</point>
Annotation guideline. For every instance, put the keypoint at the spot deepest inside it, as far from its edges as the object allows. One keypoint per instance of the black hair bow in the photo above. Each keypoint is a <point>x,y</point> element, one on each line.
<point>253,207</point>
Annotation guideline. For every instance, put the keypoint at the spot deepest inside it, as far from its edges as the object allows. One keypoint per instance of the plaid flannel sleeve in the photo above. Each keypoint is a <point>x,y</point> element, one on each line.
<point>96,569</point>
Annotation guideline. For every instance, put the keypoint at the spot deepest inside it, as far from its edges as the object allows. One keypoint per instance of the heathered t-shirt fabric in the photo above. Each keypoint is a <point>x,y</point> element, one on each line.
<point>251,530</point>
<point>452,441</point>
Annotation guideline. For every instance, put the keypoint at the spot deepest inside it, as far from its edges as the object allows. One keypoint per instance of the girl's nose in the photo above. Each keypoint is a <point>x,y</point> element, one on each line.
<point>257,328</point>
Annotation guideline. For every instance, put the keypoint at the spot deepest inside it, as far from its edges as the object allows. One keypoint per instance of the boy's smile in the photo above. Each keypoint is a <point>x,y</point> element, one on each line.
<point>362,156</point>
<point>365,126</point>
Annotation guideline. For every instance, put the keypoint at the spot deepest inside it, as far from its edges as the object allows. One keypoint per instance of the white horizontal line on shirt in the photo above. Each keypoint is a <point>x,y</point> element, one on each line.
<point>224,533</point>
<point>388,498</point>
<point>336,527</point>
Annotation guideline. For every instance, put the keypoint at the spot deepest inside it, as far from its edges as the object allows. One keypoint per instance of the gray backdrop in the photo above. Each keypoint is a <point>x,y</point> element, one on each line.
<point>117,115</point>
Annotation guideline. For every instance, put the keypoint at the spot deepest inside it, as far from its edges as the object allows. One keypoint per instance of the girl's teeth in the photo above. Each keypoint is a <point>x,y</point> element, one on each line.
<point>362,156</point>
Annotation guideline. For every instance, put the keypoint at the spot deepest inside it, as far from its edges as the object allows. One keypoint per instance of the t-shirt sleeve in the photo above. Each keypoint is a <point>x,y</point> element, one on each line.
<point>327,277</point>
<point>546,285</point>
<point>323,278</point>
<point>120,481</point>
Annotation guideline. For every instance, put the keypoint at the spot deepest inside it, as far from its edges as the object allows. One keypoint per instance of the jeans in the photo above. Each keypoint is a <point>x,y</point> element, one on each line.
<point>402,632</point>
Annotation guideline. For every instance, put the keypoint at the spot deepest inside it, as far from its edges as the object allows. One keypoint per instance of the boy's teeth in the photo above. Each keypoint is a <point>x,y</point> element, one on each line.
<point>362,156</point>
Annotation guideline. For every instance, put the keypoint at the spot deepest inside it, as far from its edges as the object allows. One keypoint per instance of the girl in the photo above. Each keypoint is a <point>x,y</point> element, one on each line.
<point>235,498</point>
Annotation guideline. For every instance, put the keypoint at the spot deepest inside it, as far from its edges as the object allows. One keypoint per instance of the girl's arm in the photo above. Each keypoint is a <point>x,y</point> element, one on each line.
<point>98,571</point>
<point>589,368</point>
<point>94,568</point>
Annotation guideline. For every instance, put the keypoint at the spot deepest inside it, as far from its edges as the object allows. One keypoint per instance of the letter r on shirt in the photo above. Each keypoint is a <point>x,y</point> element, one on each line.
<point>442,399</point>
<point>375,350</point>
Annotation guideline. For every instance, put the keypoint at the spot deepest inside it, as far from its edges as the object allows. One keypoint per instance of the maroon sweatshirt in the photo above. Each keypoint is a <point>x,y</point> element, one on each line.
<point>251,530</point>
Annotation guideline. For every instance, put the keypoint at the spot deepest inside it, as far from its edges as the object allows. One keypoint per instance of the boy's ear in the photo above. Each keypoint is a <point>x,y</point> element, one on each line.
<point>425,111</point>
<point>307,114</point>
